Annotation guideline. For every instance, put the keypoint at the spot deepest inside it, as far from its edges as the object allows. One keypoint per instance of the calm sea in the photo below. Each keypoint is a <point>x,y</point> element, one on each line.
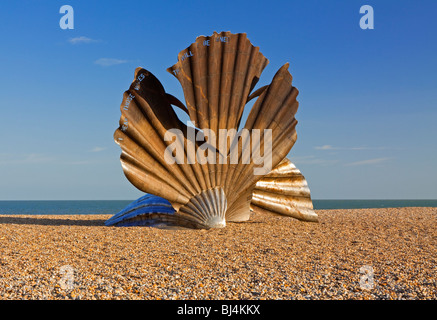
<point>114,206</point>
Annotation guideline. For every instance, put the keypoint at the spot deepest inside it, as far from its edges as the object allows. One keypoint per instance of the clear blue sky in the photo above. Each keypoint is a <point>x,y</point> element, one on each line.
<point>368,98</point>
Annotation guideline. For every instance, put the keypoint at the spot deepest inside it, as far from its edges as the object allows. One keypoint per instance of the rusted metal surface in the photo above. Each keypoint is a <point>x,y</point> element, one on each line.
<point>217,74</point>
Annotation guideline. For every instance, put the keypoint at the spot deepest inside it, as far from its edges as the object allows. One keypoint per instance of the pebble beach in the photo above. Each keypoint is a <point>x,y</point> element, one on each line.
<point>349,254</point>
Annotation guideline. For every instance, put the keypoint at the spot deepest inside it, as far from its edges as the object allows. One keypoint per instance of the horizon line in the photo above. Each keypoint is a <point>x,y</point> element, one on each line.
<point>349,199</point>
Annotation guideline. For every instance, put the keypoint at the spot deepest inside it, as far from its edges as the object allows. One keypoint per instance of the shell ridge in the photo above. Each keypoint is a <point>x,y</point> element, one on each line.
<point>187,214</point>
<point>144,141</point>
<point>253,52</point>
<point>190,210</point>
<point>199,115</point>
<point>221,97</point>
<point>189,171</point>
<point>290,199</point>
<point>144,179</point>
<point>265,103</point>
<point>246,79</point>
<point>198,207</point>
<point>215,195</point>
<point>155,171</point>
<point>232,106</point>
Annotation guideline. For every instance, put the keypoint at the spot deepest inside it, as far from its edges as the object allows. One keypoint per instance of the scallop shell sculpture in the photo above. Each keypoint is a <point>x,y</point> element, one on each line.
<point>193,177</point>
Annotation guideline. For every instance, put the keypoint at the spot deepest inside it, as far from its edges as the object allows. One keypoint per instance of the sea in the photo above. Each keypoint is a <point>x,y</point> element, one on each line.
<point>66,207</point>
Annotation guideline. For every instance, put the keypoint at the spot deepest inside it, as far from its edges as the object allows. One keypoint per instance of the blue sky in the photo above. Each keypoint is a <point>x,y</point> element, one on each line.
<point>368,98</point>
